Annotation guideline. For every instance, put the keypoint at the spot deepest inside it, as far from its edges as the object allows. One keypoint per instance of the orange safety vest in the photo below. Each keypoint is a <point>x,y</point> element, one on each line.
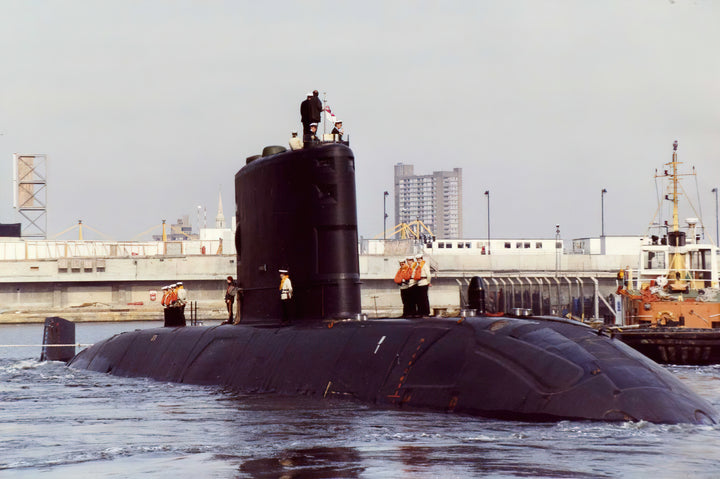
<point>400,275</point>
<point>172,297</point>
<point>164,298</point>
<point>408,273</point>
<point>417,274</point>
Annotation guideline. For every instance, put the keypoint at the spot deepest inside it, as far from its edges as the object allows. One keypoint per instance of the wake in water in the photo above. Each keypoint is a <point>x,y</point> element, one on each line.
<point>57,421</point>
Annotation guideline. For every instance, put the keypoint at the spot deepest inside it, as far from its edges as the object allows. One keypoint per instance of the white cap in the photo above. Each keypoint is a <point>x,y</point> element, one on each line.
<point>283,271</point>
<point>418,256</point>
<point>337,120</point>
<point>402,260</point>
<point>410,258</point>
<point>179,283</point>
<point>313,124</point>
<point>309,94</point>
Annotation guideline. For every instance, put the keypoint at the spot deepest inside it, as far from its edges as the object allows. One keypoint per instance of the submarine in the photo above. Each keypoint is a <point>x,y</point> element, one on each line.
<point>296,210</point>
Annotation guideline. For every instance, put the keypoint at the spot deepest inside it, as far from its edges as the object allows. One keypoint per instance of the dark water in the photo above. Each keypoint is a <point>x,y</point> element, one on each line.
<point>60,422</point>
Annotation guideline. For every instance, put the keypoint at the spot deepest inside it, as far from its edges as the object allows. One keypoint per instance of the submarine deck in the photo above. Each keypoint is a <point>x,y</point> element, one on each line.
<point>529,369</point>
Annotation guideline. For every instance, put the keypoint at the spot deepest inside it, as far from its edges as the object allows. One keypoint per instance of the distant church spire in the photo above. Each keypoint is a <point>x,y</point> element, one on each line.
<point>220,218</point>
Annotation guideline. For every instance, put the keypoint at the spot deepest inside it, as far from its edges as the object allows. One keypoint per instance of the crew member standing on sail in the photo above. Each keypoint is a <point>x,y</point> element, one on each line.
<point>310,137</point>
<point>310,111</point>
<point>286,292</point>
<point>400,280</point>
<point>317,106</point>
<point>338,130</point>
<point>295,142</point>
<point>306,113</point>
<point>422,276</point>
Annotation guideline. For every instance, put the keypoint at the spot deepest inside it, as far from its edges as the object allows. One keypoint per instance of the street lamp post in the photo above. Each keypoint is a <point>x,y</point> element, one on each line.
<point>717,236</point>
<point>602,212</point>
<point>487,193</point>
<point>558,250</point>
<point>385,216</point>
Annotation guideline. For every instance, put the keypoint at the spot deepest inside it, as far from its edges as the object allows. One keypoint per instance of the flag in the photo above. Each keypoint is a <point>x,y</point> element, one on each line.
<point>329,117</point>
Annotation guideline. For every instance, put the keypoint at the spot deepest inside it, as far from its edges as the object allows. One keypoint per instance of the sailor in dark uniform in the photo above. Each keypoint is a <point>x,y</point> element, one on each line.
<point>317,107</point>
<point>310,137</point>
<point>307,108</point>
<point>338,130</point>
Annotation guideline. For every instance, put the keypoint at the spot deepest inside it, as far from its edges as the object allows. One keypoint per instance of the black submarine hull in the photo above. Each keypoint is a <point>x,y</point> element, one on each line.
<point>524,369</point>
<point>297,210</point>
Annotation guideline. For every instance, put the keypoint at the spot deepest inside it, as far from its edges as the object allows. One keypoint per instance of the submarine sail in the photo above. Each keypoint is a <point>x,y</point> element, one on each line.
<point>296,210</point>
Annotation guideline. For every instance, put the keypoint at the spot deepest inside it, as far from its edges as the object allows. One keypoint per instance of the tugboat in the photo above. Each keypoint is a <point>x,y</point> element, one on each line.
<point>670,305</point>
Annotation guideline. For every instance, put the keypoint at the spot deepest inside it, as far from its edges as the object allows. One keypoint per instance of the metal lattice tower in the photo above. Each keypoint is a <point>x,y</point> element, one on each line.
<point>30,193</point>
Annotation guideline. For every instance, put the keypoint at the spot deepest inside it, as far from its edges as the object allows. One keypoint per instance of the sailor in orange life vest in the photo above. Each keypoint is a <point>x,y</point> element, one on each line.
<point>401,279</point>
<point>422,276</point>
<point>172,295</point>
<point>166,292</point>
<point>286,292</point>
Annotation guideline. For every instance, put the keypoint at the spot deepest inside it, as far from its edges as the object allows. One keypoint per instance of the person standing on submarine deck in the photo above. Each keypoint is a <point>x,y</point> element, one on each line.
<point>230,293</point>
<point>286,292</point>
<point>422,276</point>
<point>412,296</point>
<point>401,279</point>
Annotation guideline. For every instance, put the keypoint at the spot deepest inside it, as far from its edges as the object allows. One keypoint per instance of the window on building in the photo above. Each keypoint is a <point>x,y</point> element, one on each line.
<point>526,245</point>
<point>508,245</point>
<point>518,245</point>
<point>538,245</point>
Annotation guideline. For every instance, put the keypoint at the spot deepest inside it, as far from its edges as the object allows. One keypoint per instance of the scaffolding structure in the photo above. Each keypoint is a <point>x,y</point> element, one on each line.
<point>30,193</point>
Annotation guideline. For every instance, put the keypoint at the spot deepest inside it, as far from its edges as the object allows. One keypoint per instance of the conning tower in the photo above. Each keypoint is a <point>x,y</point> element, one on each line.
<point>296,210</point>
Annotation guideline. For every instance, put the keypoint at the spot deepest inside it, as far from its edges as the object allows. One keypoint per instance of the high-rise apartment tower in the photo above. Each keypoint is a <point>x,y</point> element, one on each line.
<point>434,199</point>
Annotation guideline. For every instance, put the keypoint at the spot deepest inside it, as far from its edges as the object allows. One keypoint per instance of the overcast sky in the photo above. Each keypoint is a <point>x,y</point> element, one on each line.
<point>146,109</point>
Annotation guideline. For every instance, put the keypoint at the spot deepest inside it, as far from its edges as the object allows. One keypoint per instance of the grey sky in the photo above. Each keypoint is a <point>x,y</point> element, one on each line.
<point>146,108</point>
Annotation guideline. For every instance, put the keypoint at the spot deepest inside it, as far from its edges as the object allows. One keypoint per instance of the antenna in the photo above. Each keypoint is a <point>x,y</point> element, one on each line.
<point>324,115</point>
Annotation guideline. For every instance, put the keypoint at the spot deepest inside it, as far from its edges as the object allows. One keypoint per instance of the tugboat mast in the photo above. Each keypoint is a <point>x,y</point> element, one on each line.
<point>676,221</point>
<point>678,271</point>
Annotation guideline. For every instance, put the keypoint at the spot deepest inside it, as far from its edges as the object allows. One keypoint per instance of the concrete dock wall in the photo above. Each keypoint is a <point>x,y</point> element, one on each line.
<point>121,288</point>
